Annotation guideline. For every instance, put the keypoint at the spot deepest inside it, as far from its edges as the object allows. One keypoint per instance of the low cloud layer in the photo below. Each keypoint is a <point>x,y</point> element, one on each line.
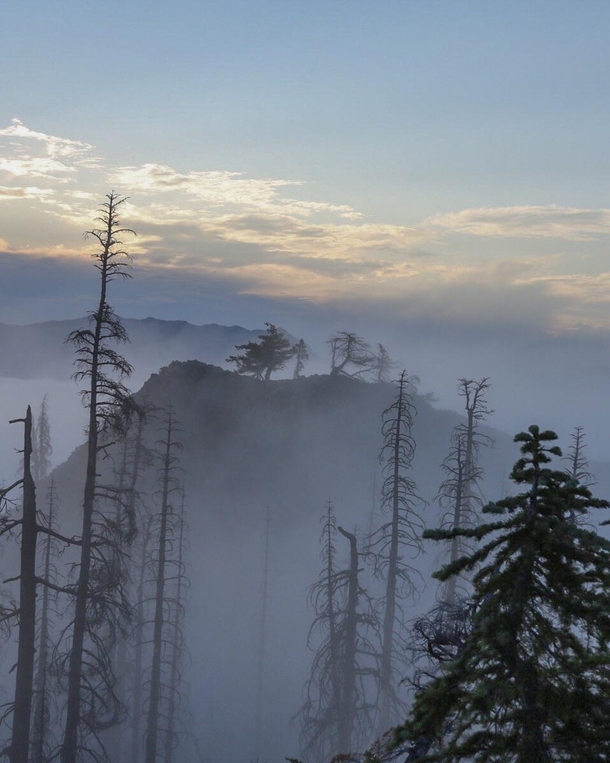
<point>271,240</point>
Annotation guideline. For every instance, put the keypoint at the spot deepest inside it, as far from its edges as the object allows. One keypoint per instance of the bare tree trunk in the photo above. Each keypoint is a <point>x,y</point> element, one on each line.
<point>136,738</point>
<point>20,741</point>
<point>152,726</point>
<point>41,708</point>
<point>347,716</point>
<point>70,741</point>
<point>260,677</point>
<point>389,617</point>
<point>174,678</point>
<point>104,395</point>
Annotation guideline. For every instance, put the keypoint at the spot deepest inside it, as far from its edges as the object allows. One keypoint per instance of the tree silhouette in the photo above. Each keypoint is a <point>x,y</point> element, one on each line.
<point>41,443</point>
<point>169,486</point>
<point>301,354</point>
<point>99,604</point>
<point>261,359</point>
<point>351,355</point>
<point>338,711</point>
<point>532,681</point>
<point>395,541</point>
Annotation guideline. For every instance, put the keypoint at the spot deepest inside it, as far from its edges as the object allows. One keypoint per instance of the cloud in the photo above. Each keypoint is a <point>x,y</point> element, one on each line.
<point>9,193</point>
<point>525,222</point>
<point>55,147</point>
<point>217,189</point>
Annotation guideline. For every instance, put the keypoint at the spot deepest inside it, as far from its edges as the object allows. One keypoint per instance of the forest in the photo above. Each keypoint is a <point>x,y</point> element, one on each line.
<point>312,568</point>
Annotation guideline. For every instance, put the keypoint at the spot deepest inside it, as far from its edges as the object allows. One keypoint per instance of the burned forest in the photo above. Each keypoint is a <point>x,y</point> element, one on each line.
<point>293,554</point>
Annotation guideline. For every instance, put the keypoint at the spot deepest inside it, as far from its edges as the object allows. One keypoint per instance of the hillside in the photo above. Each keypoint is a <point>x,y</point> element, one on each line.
<point>286,446</point>
<point>39,350</point>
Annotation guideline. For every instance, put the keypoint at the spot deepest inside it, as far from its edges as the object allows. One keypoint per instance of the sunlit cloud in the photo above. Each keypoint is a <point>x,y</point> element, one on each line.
<point>9,193</point>
<point>219,189</point>
<point>251,235</point>
<point>55,146</point>
<point>526,222</point>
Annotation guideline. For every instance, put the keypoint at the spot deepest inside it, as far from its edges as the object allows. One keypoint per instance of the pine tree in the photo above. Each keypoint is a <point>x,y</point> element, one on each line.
<point>261,359</point>
<point>301,354</point>
<point>532,682</point>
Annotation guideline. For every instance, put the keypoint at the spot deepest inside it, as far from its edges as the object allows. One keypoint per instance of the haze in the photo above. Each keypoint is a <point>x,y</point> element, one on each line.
<point>429,175</point>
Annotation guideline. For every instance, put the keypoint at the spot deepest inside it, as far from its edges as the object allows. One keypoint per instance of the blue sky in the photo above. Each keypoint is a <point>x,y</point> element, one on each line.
<point>432,173</point>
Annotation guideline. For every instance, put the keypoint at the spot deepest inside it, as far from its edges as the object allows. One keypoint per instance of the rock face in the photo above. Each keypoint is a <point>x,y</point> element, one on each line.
<point>285,446</point>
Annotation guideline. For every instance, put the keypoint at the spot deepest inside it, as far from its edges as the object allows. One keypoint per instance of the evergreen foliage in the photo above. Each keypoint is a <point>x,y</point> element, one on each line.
<point>261,359</point>
<point>532,683</point>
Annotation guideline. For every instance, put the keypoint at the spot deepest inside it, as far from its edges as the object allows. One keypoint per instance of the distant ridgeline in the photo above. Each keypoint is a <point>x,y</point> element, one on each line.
<point>39,351</point>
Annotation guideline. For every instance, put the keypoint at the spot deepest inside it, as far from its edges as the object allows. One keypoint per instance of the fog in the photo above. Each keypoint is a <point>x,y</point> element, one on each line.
<point>281,449</point>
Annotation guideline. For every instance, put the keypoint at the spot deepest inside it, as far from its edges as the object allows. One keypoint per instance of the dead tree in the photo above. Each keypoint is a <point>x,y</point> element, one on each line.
<point>43,696</point>
<point>338,712</point>
<point>351,355</point>
<point>460,494</point>
<point>135,458</point>
<point>396,541</point>
<point>578,465</point>
<point>177,646</point>
<point>91,704</point>
<point>169,487</point>
<point>144,542</point>
<point>19,749</point>
<point>438,637</point>
<point>261,656</point>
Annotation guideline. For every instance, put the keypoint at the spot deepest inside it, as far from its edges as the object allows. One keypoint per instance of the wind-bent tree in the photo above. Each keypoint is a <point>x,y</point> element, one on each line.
<point>301,354</point>
<point>532,682</point>
<point>338,712</point>
<point>384,365</point>
<point>91,704</point>
<point>396,542</point>
<point>351,355</point>
<point>169,487</point>
<point>261,359</point>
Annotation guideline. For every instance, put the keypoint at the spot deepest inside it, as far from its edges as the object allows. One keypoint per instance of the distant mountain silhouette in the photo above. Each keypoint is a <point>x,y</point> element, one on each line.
<point>38,350</point>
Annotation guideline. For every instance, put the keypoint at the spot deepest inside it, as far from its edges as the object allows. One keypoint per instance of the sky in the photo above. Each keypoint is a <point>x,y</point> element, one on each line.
<point>430,174</point>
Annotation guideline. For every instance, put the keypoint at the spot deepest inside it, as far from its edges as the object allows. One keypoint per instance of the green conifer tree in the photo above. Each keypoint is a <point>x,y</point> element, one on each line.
<point>532,683</point>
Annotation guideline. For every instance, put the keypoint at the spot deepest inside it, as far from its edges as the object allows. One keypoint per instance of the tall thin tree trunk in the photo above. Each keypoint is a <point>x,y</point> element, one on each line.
<point>176,647</point>
<point>41,708</point>
<point>20,741</point>
<point>70,745</point>
<point>154,700</point>
<point>389,618</point>
<point>136,737</point>
<point>260,676</point>
<point>347,717</point>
